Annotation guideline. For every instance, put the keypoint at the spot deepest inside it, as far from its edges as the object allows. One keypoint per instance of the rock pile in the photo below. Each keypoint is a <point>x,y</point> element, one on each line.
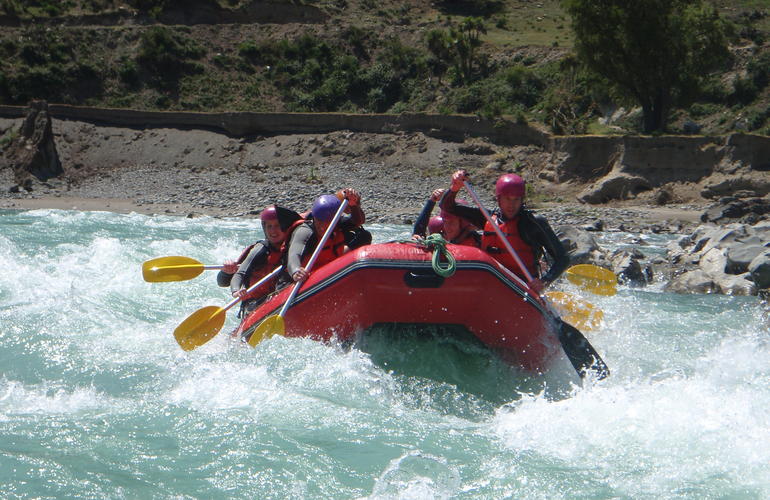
<point>732,259</point>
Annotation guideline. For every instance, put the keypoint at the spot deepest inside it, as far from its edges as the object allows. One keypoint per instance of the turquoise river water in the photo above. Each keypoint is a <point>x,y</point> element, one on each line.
<point>98,401</point>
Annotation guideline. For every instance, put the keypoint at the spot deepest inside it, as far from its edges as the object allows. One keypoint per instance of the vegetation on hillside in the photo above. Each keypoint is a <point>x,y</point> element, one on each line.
<point>495,58</point>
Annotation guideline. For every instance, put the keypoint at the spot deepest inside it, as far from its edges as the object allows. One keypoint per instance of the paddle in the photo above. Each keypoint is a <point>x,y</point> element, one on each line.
<point>206,322</point>
<point>576,311</point>
<point>274,325</point>
<point>595,279</point>
<point>173,268</point>
<point>579,351</point>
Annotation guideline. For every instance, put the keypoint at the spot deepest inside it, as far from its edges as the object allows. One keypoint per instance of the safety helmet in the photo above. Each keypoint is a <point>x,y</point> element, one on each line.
<point>325,206</point>
<point>435,224</point>
<point>269,213</point>
<point>509,185</point>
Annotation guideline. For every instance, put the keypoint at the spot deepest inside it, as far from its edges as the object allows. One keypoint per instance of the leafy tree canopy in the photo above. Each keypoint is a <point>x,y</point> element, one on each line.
<point>656,52</point>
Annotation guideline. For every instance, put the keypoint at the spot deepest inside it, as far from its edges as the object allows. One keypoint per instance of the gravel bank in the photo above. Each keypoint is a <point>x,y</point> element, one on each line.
<point>196,172</point>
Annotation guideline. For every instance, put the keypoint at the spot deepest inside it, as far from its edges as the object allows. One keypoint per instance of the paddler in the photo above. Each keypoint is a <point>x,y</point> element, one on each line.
<point>259,259</point>
<point>529,234</point>
<point>305,234</point>
<point>452,228</point>
<point>358,236</point>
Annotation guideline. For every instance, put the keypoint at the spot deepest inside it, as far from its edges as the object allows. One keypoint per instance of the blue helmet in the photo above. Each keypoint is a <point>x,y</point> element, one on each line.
<point>325,207</point>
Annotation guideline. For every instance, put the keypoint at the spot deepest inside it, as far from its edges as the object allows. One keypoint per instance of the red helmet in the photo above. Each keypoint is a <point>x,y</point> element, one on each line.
<point>269,213</point>
<point>435,224</point>
<point>509,185</point>
<point>325,207</point>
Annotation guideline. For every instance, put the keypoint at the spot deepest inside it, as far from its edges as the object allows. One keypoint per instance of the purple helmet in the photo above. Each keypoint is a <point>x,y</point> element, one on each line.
<point>325,207</point>
<point>509,185</point>
<point>269,213</point>
<point>435,224</point>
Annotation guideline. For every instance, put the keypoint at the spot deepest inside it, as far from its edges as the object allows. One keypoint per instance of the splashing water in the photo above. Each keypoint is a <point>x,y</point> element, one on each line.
<point>98,401</point>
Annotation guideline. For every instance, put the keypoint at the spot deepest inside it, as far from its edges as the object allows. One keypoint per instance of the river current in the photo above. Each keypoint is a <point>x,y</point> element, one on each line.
<point>98,401</point>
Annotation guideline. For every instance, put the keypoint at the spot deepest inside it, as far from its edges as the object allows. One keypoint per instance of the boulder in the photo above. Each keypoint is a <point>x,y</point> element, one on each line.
<point>732,209</point>
<point>730,284</point>
<point>695,281</point>
<point>714,262</point>
<point>740,256</point>
<point>615,186</point>
<point>759,268</point>
<point>581,246</point>
<point>33,152</point>
<point>627,267</point>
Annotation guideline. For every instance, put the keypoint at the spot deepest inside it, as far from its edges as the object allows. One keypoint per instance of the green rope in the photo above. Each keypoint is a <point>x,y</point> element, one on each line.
<point>438,244</point>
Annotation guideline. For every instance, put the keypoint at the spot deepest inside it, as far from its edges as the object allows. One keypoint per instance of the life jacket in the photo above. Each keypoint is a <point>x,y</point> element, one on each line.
<point>467,237</point>
<point>491,244</point>
<point>258,272</point>
<point>334,247</point>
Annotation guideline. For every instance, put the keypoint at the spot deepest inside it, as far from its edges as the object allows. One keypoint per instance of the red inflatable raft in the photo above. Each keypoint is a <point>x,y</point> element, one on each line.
<point>395,283</point>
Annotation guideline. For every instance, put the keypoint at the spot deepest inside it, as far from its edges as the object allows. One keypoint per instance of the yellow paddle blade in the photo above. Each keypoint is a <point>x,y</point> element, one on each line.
<point>272,325</point>
<point>199,327</point>
<point>576,311</point>
<point>593,278</point>
<point>172,268</point>
<point>608,290</point>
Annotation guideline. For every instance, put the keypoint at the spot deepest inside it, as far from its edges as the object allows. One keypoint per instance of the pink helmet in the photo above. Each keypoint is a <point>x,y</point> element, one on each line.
<point>435,224</point>
<point>269,213</point>
<point>509,185</point>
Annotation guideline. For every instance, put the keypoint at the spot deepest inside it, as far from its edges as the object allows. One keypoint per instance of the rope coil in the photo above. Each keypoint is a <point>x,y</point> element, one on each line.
<point>437,244</point>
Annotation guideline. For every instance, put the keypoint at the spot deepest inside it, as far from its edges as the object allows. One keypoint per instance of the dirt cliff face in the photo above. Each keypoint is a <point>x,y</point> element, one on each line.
<point>32,153</point>
<point>689,168</point>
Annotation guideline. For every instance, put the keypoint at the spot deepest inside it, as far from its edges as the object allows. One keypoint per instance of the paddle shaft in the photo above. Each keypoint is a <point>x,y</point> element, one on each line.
<point>580,352</point>
<point>315,255</point>
<point>256,285</point>
<point>191,266</point>
<point>500,234</point>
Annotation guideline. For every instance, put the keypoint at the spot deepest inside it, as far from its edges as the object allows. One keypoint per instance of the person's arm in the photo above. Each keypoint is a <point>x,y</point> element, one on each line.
<point>471,214</point>
<point>226,274</point>
<point>257,255</point>
<point>421,224</point>
<point>553,247</point>
<point>299,241</point>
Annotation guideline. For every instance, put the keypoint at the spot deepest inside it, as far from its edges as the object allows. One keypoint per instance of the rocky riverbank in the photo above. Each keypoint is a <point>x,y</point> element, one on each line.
<point>195,172</point>
<point>200,172</point>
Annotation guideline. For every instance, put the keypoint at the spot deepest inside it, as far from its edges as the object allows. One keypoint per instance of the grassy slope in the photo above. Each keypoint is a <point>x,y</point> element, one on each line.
<point>95,65</point>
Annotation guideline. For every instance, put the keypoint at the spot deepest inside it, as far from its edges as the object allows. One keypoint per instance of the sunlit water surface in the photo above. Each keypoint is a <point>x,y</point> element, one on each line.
<point>98,401</point>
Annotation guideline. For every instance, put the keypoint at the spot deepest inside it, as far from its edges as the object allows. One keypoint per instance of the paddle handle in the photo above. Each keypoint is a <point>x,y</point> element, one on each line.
<point>256,285</point>
<point>316,253</point>
<point>498,231</point>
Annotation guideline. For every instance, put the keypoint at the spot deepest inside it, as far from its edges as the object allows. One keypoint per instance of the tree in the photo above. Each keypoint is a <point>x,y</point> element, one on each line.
<point>657,52</point>
<point>459,47</point>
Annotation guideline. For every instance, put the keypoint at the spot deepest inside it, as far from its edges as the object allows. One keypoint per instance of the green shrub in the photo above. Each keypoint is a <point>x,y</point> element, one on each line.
<point>758,70</point>
<point>699,110</point>
<point>128,72</point>
<point>167,55</point>
<point>744,90</point>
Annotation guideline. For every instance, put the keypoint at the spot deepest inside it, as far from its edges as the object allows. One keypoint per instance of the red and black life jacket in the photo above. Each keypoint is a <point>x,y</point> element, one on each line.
<point>334,247</point>
<point>259,271</point>
<point>467,237</point>
<point>491,243</point>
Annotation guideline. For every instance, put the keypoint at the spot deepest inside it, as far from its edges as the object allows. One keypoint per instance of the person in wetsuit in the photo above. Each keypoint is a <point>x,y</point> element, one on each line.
<point>259,259</point>
<point>306,234</point>
<point>530,235</point>
<point>452,228</point>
